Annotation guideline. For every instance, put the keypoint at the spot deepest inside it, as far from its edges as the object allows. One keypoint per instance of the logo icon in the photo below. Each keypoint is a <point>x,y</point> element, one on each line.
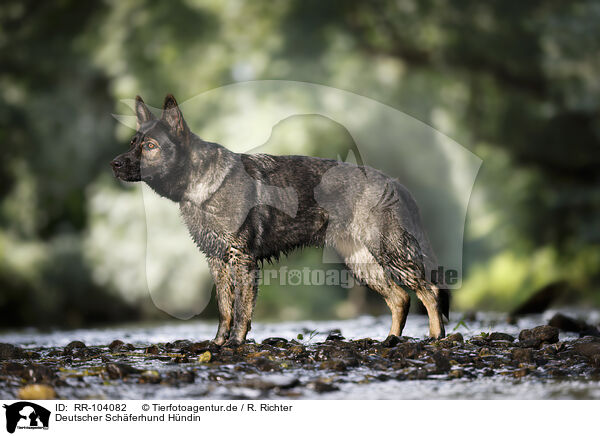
<point>26,415</point>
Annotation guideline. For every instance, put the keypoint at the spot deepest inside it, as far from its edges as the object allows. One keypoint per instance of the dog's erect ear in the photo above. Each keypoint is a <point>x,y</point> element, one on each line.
<point>173,116</point>
<point>142,112</point>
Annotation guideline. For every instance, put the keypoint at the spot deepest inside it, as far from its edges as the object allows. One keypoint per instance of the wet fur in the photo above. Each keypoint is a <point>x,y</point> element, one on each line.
<point>379,236</point>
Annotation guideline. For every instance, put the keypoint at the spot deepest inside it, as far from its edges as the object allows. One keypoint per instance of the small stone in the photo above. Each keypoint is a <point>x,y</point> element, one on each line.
<point>457,373</point>
<point>115,345</point>
<point>120,370</point>
<point>275,342</point>
<point>322,386</point>
<point>271,382</point>
<point>152,349</point>
<point>442,363</point>
<point>485,352</point>
<point>8,351</point>
<point>498,336</point>
<point>150,376</point>
<point>297,350</point>
<point>522,355</point>
<point>587,349</point>
<point>334,365</point>
<point>37,392</point>
<point>409,350</point>
<point>539,334</point>
<point>592,331</point>
<point>335,336</point>
<point>521,372</point>
<point>568,324</point>
<point>75,344</point>
<point>38,374</point>
<point>205,357</point>
<point>501,344</point>
<point>201,347</point>
<point>183,344</point>
<point>452,339</point>
<point>265,365</point>
<point>12,368</point>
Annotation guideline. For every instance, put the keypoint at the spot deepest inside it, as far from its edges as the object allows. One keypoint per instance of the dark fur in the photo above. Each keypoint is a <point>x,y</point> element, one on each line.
<point>242,209</point>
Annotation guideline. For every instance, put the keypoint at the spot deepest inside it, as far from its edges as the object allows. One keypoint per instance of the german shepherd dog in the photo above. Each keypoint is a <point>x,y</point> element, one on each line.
<point>243,209</point>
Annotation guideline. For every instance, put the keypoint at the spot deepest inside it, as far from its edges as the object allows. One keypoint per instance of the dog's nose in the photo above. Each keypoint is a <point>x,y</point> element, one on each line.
<point>116,163</point>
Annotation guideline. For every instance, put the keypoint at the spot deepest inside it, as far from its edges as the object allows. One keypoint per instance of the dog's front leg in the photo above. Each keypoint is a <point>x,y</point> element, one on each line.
<point>245,281</point>
<point>221,275</point>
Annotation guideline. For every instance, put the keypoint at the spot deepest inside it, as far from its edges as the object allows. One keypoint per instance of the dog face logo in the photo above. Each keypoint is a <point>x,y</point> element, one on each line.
<point>26,415</point>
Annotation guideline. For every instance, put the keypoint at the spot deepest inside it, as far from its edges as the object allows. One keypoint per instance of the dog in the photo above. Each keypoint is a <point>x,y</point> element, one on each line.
<point>243,209</point>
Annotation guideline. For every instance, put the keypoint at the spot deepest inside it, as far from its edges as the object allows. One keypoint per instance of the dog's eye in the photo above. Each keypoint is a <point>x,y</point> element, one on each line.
<point>149,145</point>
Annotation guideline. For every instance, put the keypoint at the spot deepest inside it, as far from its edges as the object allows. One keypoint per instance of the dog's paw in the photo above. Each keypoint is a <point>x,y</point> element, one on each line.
<point>232,343</point>
<point>218,341</point>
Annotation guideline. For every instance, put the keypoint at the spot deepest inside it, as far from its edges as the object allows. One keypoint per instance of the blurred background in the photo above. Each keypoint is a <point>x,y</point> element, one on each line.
<point>516,83</point>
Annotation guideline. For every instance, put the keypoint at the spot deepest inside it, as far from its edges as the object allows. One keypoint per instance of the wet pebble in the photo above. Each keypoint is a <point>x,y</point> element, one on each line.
<point>452,340</point>
<point>568,324</point>
<point>275,342</point>
<point>150,376</point>
<point>152,349</point>
<point>536,336</point>
<point>120,370</point>
<point>205,357</point>
<point>37,373</point>
<point>499,336</point>
<point>271,382</point>
<point>118,345</point>
<point>521,372</point>
<point>75,344</point>
<point>9,351</point>
<point>12,368</point>
<point>522,354</point>
<point>442,363</point>
<point>590,350</point>
<point>37,392</point>
<point>335,335</point>
<point>333,365</point>
<point>322,386</point>
<point>176,377</point>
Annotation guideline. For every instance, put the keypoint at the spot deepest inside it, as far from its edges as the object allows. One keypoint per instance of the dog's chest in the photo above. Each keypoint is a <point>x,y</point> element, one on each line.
<point>204,230</point>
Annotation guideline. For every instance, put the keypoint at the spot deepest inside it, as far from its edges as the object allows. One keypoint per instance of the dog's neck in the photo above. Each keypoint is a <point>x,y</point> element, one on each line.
<point>211,163</point>
<point>185,184</point>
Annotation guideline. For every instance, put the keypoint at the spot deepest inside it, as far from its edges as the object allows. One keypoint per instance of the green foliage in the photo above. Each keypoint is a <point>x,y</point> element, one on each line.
<point>460,323</point>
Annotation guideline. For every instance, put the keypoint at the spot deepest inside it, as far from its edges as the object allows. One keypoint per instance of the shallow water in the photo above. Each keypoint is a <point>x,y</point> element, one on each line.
<point>226,381</point>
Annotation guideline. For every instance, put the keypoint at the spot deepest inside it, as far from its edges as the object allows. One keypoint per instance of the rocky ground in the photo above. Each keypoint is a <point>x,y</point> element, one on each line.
<point>301,367</point>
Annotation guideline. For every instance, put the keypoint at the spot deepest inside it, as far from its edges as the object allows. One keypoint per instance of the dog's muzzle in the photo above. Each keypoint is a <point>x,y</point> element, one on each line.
<point>122,169</point>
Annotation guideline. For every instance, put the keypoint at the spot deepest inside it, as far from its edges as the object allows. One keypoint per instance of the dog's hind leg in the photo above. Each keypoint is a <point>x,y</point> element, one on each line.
<point>244,272</point>
<point>399,304</point>
<point>430,296</point>
<point>224,291</point>
<point>368,271</point>
<point>402,258</point>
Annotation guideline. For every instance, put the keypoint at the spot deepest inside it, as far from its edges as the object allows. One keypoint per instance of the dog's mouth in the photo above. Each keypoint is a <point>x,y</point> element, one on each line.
<point>128,177</point>
<point>127,174</point>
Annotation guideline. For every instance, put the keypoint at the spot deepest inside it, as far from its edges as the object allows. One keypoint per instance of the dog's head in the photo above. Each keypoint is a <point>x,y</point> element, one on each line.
<point>159,147</point>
